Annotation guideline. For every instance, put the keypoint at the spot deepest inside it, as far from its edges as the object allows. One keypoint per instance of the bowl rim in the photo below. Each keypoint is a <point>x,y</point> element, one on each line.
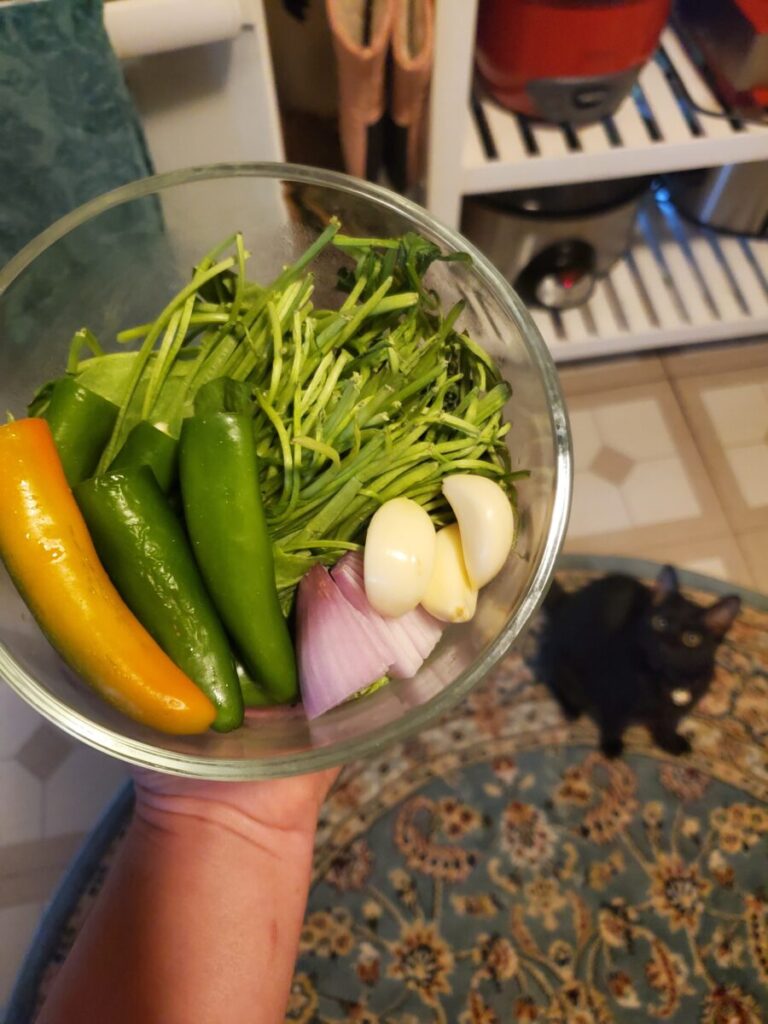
<point>144,754</point>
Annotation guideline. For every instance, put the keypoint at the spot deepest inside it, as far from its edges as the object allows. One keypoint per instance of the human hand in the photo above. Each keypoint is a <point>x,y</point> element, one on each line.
<point>281,806</point>
<point>200,916</point>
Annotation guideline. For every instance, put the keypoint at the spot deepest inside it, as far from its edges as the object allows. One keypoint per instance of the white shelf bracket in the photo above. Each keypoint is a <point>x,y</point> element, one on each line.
<point>455,22</point>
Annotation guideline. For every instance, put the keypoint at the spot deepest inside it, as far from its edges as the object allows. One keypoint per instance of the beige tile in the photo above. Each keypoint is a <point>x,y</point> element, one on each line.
<point>635,427</point>
<point>754,546</point>
<point>17,722</point>
<point>609,374</point>
<point>611,465</point>
<point>728,415</point>
<point>584,428</point>
<point>750,467</point>
<point>719,557</point>
<point>19,858</point>
<point>740,355</point>
<point>44,751</point>
<point>639,479</point>
<point>17,926</point>
<point>20,804</point>
<point>28,886</point>
<point>660,490</point>
<point>713,566</point>
<point>597,508</point>
<point>77,793</point>
<point>739,412</point>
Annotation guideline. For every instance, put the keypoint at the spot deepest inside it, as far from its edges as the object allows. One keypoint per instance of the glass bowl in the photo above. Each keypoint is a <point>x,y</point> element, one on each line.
<point>113,263</point>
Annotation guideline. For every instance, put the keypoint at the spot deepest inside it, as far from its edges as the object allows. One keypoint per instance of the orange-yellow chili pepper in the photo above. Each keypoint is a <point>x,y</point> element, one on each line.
<point>49,554</point>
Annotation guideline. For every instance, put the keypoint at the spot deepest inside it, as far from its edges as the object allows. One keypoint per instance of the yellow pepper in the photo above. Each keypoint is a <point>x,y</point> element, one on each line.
<point>49,554</point>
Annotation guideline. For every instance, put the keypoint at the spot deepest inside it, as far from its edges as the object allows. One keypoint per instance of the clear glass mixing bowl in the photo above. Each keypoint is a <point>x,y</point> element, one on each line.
<point>113,263</point>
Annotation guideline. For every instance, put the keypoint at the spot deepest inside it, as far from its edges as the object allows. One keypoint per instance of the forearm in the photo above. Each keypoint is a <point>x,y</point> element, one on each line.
<point>197,921</point>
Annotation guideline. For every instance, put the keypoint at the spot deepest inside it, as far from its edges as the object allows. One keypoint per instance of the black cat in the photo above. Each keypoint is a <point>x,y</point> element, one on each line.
<point>626,653</point>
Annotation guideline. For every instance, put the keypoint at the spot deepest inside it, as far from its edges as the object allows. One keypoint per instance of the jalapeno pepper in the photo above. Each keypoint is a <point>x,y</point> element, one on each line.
<point>218,471</point>
<point>254,696</point>
<point>147,445</point>
<point>145,551</point>
<point>81,423</point>
<point>49,554</point>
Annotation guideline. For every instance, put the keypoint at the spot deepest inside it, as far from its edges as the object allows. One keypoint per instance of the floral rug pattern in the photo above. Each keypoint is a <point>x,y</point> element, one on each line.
<point>497,868</point>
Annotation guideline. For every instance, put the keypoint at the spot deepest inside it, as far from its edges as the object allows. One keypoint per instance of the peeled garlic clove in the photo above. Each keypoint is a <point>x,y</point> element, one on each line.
<point>399,556</point>
<point>486,523</point>
<point>450,596</point>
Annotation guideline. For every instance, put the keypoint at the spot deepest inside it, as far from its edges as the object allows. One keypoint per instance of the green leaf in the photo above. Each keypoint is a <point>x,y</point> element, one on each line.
<point>224,395</point>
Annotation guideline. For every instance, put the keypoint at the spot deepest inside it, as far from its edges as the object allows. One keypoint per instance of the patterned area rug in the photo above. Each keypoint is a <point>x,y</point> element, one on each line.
<point>497,868</point>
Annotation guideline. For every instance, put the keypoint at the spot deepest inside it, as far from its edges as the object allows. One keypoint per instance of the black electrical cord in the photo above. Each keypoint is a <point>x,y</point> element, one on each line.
<point>761,122</point>
<point>698,60</point>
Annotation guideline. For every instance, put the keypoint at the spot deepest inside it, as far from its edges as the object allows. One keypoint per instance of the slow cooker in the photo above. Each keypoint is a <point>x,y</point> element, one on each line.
<point>554,244</point>
<point>566,60</point>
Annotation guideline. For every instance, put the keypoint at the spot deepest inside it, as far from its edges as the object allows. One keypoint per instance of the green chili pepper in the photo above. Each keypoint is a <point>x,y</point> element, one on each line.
<point>144,549</point>
<point>218,470</point>
<point>254,696</point>
<point>147,445</point>
<point>81,423</point>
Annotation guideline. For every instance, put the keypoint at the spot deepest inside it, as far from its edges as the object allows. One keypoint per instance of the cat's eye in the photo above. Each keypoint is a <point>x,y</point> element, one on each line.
<point>659,623</point>
<point>691,639</point>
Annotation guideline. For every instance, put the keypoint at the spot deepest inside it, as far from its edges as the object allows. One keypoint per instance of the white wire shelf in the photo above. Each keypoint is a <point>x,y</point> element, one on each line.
<point>654,130</point>
<point>678,284</point>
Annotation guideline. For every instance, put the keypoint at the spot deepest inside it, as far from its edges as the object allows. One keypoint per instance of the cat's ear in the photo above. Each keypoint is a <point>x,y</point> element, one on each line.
<point>666,584</point>
<point>719,618</point>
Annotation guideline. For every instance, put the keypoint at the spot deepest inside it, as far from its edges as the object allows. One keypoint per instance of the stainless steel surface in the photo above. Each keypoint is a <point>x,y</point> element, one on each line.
<point>513,239</point>
<point>552,293</point>
<point>733,198</point>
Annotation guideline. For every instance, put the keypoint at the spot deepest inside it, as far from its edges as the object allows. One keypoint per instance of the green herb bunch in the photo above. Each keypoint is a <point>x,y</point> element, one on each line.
<point>379,398</point>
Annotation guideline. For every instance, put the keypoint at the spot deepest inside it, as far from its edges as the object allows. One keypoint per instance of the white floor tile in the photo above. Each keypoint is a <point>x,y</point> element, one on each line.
<point>659,492</point>
<point>78,792</point>
<point>17,721</point>
<point>17,926</point>
<point>586,439</point>
<point>636,428</point>
<point>597,507</point>
<point>20,804</point>
<point>755,547</point>
<point>715,567</point>
<point>739,413</point>
<point>714,556</point>
<point>750,467</point>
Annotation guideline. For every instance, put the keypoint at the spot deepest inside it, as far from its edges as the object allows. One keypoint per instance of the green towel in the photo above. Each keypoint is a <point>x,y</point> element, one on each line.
<point>68,128</point>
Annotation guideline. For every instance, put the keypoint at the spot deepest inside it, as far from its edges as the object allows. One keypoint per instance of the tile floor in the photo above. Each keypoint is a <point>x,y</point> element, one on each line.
<point>671,463</point>
<point>671,459</point>
<point>52,791</point>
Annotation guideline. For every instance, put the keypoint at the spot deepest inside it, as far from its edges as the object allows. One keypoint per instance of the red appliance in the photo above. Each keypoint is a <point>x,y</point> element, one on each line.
<point>732,36</point>
<point>566,60</point>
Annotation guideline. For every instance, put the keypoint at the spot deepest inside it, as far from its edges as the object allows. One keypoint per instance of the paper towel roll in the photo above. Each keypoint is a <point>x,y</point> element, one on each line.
<point>140,27</point>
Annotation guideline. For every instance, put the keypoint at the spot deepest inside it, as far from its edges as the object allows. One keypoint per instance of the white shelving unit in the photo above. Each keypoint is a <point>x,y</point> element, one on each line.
<point>678,285</point>
<point>200,72</point>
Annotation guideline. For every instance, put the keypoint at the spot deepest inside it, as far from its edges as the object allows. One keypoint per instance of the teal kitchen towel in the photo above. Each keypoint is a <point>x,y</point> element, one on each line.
<point>68,128</point>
